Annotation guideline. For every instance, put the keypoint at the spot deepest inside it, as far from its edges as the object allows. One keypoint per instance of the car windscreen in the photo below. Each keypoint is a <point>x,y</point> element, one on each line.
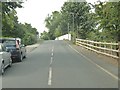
<point>2,40</point>
<point>10,43</point>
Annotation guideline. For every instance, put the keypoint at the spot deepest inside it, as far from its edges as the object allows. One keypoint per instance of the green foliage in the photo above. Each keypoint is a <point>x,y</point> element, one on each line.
<point>0,19</point>
<point>108,16</point>
<point>58,32</point>
<point>44,36</point>
<point>57,23</point>
<point>103,24</point>
<point>53,24</point>
<point>12,28</point>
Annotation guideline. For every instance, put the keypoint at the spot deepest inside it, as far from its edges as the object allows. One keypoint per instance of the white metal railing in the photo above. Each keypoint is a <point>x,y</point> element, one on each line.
<point>109,49</point>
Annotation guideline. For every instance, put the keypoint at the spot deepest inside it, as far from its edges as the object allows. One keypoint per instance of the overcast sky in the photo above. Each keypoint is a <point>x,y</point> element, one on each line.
<point>35,11</point>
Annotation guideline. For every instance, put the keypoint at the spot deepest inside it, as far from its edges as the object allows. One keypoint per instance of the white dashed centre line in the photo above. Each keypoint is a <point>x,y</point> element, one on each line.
<point>50,69</point>
<point>51,60</point>
<point>52,50</point>
<point>52,54</point>
<point>50,76</point>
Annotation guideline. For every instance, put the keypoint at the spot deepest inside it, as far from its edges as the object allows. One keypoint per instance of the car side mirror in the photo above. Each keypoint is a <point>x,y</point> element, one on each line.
<point>22,45</point>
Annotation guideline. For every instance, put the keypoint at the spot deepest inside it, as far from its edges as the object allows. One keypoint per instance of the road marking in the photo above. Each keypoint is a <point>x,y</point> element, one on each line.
<point>52,50</point>
<point>52,54</point>
<point>114,76</point>
<point>50,69</point>
<point>51,60</point>
<point>50,77</point>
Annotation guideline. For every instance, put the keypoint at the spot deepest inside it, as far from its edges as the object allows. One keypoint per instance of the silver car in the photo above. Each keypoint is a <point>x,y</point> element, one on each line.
<point>5,58</point>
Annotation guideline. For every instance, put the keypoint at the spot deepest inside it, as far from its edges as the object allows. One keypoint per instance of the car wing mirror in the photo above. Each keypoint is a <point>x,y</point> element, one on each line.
<point>23,45</point>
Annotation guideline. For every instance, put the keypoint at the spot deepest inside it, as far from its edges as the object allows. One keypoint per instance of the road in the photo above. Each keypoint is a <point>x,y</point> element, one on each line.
<point>56,64</point>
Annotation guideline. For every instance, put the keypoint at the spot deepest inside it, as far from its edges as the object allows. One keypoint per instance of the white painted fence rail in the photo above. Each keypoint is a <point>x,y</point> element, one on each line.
<point>109,49</point>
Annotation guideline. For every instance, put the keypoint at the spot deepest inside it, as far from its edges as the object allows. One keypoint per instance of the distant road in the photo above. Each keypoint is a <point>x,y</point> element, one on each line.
<point>56,64</point>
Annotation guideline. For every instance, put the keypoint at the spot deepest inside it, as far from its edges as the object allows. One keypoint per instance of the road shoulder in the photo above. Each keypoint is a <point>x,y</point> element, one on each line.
<point>30,48</point>
<point>105,62</point>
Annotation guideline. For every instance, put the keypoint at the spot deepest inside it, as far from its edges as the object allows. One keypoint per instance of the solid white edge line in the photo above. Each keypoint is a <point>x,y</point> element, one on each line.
<point>50,77</point>
<point>114,76</point>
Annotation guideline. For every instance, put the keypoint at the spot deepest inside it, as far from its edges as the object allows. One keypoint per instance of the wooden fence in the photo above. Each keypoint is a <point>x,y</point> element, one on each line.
<point>108,49</point>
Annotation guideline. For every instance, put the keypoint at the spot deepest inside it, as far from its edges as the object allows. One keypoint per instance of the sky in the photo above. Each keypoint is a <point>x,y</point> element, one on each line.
<point>34,12</point>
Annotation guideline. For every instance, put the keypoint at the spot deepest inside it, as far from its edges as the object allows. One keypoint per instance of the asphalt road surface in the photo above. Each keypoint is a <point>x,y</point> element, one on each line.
<point>56,64</point>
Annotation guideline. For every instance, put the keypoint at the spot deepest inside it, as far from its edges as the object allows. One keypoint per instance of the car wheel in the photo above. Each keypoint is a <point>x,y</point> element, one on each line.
<point>25,55</point>
<point>20,58</point>
<point>2,68</point>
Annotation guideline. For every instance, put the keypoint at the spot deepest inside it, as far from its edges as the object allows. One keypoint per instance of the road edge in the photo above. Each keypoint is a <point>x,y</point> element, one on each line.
<point>111,74</point>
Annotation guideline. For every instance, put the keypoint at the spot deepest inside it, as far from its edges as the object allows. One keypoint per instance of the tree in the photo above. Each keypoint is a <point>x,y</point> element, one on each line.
<point>9,18</point>
<point>58,32</point>
<point>58,21</point>
<point>101,25</point>
<point>0,19</point>
<point>109,20</point>
<point>52,23</point>
<point>11,26</point>
<point>44,36</point>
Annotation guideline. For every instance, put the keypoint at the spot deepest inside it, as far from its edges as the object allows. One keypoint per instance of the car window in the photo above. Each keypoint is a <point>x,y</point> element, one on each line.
<point>3,48</point>
<point>10,43</point>
<point>2,40</point>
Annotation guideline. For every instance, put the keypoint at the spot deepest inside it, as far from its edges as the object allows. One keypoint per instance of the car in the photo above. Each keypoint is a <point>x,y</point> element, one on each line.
<point>5,58</point>
<point>17,49</point>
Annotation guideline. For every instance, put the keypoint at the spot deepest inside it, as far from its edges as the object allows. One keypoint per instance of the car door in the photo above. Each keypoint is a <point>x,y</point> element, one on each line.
<point>23,49</point>
<point>5,56</point>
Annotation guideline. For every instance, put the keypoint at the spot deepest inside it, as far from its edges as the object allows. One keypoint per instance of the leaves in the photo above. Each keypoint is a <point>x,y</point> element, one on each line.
<point>74,13</point>
<point>108,16</point>
<point>11,26</point>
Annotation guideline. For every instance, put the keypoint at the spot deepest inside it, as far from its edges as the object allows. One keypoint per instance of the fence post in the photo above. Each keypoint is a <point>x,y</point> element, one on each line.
<point>105,47</point>
<point>119,51</point>
<point>76,42</point>
<point>111,47</point>
<point>119,64</point>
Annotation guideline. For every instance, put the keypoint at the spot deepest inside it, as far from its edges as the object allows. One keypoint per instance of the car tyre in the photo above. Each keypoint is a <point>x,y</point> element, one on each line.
<point>2,68</point>
<point>25,56</point>
<point>20,58</point>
